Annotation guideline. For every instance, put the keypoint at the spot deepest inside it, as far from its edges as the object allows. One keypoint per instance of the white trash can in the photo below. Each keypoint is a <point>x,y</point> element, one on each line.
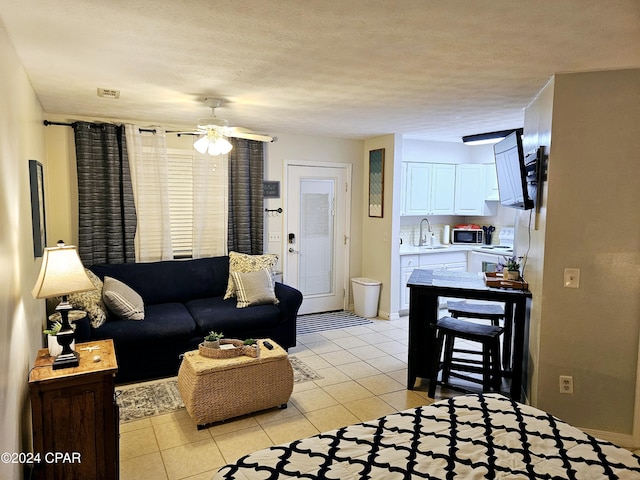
<point>366,292</point>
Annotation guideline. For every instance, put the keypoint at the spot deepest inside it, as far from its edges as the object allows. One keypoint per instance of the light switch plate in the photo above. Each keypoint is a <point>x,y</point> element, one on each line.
<point>572,278</point>
<point>274,237</point>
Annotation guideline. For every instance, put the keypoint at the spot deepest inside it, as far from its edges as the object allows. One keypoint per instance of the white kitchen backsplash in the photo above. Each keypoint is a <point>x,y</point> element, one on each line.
<point>410,234</point>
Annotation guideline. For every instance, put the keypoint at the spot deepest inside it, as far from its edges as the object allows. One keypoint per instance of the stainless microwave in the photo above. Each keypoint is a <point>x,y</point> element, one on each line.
<point>466,236</point>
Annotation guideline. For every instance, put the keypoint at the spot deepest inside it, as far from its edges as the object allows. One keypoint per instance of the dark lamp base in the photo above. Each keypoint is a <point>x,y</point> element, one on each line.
<point>66,360</point>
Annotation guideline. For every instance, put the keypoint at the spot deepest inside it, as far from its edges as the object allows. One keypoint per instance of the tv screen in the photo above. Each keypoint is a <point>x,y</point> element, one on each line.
<point>512,176</point>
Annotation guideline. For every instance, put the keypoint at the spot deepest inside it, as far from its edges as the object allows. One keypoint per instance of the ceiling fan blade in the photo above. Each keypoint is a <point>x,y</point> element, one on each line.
<point>238,132</point>
<point>189,132</point>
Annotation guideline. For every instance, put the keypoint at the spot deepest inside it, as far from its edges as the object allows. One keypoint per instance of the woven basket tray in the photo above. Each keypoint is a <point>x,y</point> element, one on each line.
<point>223,352</point>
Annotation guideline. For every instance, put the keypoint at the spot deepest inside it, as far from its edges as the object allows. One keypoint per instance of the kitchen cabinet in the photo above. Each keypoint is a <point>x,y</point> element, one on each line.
<point>455,261</point>
<point>476,190</point>
<point>491,182</point>
<point>470,189</point>
<point>443,179</point>
<point>427,188</point>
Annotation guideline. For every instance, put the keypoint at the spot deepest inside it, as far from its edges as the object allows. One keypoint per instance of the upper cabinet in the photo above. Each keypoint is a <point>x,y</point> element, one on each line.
<point>470,189</point>
<point>427,188</point>
<point>491,181</point>
<point>447,189</point>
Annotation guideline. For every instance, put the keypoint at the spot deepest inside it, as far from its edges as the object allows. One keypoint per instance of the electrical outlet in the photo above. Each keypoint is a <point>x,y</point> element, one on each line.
<point>572,277</point>
<point>274,237</point>
<point>566,384</point>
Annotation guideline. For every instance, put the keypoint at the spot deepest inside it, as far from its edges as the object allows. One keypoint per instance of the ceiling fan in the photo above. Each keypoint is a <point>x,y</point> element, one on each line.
<point>213,131</point>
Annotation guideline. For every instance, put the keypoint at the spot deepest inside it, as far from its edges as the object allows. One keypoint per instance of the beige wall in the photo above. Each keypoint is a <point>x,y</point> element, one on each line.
<point>21,317</point>
<point>590,222</point>
<point>380,234</point>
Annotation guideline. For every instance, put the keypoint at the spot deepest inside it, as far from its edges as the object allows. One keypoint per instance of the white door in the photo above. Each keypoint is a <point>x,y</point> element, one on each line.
<point>316,243</point>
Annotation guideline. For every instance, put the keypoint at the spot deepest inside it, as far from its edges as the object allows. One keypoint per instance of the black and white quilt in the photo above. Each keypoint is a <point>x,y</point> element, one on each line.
<point>466,437</point>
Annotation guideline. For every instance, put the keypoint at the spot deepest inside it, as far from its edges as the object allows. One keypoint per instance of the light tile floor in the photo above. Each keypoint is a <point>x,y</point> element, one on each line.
<point>364,373</point>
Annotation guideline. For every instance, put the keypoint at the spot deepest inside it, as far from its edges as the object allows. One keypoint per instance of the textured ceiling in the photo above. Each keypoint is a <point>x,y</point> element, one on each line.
<point>438,69</point>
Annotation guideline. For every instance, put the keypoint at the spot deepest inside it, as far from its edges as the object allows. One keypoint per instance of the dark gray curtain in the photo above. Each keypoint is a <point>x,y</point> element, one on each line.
<point>107,215</point>
<point>246,199</point>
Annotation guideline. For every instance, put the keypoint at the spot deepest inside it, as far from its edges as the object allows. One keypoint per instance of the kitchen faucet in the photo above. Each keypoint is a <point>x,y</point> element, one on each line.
<point>423,238</point>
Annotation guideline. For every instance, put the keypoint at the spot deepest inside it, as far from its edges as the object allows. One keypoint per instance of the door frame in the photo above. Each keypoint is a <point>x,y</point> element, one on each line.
<point>347,217</point>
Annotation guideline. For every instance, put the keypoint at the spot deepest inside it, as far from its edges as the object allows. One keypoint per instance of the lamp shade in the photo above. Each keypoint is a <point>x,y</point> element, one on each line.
<point>61,273</point>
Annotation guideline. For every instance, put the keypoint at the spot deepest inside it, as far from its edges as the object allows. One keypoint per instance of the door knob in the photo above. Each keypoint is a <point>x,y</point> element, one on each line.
<point>291,250</point>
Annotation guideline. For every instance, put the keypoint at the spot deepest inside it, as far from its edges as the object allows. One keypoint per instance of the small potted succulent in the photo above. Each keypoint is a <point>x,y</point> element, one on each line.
<point>54,347</point>
<point>212,340</point>
<point>251,348</point>
<point>511,268</point>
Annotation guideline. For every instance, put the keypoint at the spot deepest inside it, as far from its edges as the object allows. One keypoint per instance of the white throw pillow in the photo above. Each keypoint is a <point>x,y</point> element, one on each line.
<point>254,288</point>
<point>243,263</point>
<point>122,299</point>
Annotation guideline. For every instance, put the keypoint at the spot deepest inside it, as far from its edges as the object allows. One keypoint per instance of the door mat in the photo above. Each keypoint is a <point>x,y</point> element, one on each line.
<point>158,397</point>
<point>319,322</point>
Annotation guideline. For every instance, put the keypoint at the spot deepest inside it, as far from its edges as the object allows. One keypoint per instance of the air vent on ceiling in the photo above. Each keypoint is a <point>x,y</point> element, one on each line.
<point>108,93</point>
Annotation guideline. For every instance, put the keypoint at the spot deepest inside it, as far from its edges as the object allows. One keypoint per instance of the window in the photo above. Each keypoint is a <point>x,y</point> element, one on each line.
<point>198,198</point>
<point>180,184</point>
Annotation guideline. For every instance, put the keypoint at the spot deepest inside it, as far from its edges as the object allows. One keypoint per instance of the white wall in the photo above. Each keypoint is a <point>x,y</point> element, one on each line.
<point>315,150</point>
<point>21,317</point>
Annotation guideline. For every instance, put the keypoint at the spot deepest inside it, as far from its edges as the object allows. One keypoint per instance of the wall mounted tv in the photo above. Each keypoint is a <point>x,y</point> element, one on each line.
<point>512,172</point>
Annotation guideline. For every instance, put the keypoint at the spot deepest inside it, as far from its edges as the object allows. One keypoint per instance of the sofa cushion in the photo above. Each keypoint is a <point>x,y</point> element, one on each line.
<point>163,324</point>
<point>122,300</point>
<point>171,280</point>
<point>254,288</point>
<point>223,316</point>
<point>91,301</point>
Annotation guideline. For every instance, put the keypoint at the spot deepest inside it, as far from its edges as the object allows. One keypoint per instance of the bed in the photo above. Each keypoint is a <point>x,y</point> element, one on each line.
<point>468,436</point>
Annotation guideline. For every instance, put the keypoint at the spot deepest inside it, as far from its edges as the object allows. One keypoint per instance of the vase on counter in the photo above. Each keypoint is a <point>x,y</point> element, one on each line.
<point>511,274</point>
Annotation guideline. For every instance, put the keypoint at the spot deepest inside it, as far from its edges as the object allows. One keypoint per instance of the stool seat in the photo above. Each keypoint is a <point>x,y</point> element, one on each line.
<point>468,330</point>
<point>447,330</point>
<point>486,311</point>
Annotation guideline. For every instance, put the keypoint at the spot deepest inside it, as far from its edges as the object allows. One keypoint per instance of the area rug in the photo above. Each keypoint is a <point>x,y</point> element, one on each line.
<point>319,322</point>
<point>158,397</point>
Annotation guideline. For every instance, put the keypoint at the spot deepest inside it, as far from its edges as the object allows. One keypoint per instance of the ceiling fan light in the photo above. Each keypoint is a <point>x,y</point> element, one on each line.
<point>219,146</point>
<point>202,144</point>
<point>225,146</point>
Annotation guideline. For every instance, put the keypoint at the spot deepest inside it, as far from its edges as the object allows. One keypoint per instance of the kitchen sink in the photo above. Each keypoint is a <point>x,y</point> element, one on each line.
<point>435,247</point>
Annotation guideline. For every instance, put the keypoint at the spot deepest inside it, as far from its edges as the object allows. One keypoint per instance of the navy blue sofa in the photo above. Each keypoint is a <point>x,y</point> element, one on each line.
<point>183,302</point>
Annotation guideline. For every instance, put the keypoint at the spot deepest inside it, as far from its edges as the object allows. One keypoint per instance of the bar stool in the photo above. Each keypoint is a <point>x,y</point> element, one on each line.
<point>447,330</point>
<point>485,311</point>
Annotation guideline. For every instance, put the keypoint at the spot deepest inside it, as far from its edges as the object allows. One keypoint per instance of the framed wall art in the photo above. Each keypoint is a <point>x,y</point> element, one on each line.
<point>38,224</point>
<point>376,183</point>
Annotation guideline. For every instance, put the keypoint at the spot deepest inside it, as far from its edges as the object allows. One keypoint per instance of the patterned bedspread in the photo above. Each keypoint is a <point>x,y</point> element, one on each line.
<point>466,437</point>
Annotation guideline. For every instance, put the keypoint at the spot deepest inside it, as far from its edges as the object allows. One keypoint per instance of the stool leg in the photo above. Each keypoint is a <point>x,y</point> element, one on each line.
<point>495,364</point>
<point>435,364</point>
<point>486,367</point>
<point>507,337</point>
<point>448,357</point>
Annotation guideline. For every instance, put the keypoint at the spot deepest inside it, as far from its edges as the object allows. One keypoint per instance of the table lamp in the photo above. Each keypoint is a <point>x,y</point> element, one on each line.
<point>62,274</point>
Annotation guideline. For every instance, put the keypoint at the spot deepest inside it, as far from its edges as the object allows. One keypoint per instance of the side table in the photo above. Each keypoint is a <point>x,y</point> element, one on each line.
<point>75,416</point>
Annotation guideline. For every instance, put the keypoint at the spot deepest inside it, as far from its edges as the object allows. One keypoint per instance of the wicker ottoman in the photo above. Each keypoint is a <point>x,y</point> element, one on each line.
<point>214,389</point>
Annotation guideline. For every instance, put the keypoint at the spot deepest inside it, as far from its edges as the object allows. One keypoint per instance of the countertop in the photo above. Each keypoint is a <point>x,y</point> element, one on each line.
<point>414,250</point>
